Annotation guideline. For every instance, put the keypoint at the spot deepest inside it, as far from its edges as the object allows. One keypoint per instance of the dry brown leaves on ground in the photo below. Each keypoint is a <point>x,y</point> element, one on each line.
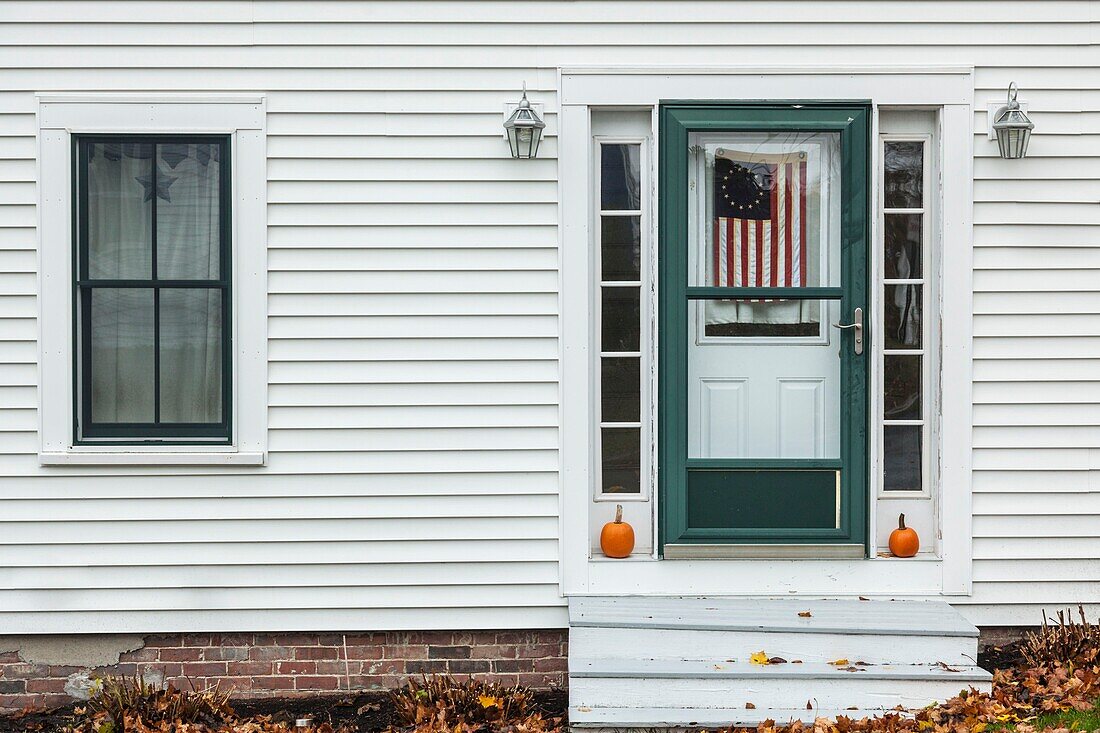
<point>444,705</point>
<point>1017,698</point>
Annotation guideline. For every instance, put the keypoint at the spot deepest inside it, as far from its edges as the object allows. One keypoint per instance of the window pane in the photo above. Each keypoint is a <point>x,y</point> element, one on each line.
<point>902,387</point>
<point>122,366</point>
<point>904,175</point>
<point>771,203</point>
<point>621,248</point>
<point>621,319</point>
<point>902,246</point>
<point>761,318</point>
<point>620,389</point>
<point>120,210</point>
<point>901,452</point>
<point>190,355</point>
<point>622,460</point>
<point>902,306</point>
<point>188,184</point>
<point>620,178</point>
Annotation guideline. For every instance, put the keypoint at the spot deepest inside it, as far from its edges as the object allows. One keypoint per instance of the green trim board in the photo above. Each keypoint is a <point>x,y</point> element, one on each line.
<point>698,497</point>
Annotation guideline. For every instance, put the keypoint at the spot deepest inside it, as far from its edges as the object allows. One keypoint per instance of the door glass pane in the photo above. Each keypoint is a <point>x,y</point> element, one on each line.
<point>901,452</point>
<point>621,319</point>
<point>188,215</point>
<point>774,393</point>
<point>902,245</point>
<point>621,452</point>
<point>903,175</point>
<point>190,355</point>
<point>765,211</point>
<point>121,355</point>
<point>620,177</point>
<point>901,377</point>
<point>621,248</point>
<point>620,385</point>
<point>761,318</point>
<point>120,210</point>
<point>902,307</point>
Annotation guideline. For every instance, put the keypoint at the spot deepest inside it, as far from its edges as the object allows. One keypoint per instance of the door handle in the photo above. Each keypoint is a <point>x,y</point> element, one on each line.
<point>857,324</point>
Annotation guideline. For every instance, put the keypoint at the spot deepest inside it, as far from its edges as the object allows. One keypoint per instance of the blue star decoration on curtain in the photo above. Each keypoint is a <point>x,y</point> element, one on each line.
<point>163,182</point>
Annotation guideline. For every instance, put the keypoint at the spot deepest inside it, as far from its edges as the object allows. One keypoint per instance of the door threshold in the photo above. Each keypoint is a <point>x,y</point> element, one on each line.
<point>765,552</point>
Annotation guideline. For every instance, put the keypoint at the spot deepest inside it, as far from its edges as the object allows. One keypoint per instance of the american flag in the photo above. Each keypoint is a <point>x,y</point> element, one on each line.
<point>759,220</point>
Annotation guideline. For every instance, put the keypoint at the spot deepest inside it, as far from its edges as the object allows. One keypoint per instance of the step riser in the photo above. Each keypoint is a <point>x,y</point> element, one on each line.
<point>850,691</point>
<point>619,718</point>
<point>594,642</point>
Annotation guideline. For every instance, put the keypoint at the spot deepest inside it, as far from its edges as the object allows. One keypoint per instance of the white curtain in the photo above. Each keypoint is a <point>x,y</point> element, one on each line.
<point>121,194</point>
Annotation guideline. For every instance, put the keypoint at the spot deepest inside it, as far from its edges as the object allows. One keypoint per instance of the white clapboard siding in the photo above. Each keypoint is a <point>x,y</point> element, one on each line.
<point>412,480</point>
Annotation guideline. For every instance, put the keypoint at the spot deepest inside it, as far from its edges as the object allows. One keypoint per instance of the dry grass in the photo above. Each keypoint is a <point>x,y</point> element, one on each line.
<point>1065,641</point>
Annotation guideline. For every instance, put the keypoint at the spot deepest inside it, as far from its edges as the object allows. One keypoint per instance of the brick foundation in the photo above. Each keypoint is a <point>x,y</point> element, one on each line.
<point>259,665</point>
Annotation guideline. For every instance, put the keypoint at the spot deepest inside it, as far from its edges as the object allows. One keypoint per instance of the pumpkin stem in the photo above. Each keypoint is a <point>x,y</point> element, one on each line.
<point>901,521</point>
<point>618,514</point>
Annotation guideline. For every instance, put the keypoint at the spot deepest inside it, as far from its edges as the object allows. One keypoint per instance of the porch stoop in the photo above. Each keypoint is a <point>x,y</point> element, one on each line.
<point>670,661</point>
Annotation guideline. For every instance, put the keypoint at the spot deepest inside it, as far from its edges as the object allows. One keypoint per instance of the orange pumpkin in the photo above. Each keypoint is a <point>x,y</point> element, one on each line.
<point>903,540</point>
<point>617,538</point>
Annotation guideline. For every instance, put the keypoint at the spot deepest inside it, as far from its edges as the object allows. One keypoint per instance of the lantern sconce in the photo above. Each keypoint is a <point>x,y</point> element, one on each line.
<point>1010,125</point>
<point>523,129</point>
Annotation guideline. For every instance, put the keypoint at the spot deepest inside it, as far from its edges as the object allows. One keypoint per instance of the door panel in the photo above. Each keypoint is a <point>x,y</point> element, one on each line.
<point>763,404</point>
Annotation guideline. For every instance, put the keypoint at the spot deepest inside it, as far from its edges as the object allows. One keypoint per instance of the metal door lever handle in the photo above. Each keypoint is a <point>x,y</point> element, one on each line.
<point>857,324</point>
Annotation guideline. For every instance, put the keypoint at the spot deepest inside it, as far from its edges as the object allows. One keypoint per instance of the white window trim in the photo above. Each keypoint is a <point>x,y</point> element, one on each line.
<point>950,89</point>
<point>243,117</point>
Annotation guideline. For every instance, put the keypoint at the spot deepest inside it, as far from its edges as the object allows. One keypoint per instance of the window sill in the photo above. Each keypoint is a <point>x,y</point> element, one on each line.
<point>151,458</point>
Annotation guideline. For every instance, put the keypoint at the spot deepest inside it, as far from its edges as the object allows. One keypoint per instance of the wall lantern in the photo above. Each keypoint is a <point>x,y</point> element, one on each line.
<point>1012,126</point>
<point>524,129</point>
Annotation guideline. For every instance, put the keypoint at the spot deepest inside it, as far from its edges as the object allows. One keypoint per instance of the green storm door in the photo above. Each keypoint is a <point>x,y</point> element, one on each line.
<point>763,338</point>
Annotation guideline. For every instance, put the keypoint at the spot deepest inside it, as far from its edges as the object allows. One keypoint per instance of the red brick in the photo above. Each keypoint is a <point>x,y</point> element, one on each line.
<point>272,683</point>
<point>163,640</point>
<point>296,639</point>
<point>295,668</point>
<point>269,653</point>
<point>335,666</point>
<point>538,651</point>
<point>9,657</point>
<point>405,651</point>
<point>364,639</point>
<point>232,640</point>
<point>317,652</point>
<point>24,671</point>
<point>225,653</point>
<point>204,669</point>
<point>55,685</point>
<point>494,651</point>
<point>316,683</point>
<point>365,652</point>
<point>384,667</point>
<point>181,654</point>
<point>551,664</point>
<point>145,654</point>
<point>196,639</point>
<point>250,669</point>
<point>330,639</point>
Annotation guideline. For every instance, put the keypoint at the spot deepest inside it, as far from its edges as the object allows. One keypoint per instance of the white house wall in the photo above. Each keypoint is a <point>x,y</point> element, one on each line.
<point>412,475</point>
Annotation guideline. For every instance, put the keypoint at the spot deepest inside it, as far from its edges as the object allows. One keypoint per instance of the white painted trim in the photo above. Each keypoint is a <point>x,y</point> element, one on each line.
<point>162,457</point>
<point>244,117</point>
<point>948,88</point>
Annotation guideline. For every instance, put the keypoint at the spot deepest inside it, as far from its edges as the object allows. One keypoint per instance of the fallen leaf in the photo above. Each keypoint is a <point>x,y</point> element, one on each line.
<point>776,660</point>
<point>488,701</point>
<point>864,599</point>
<point>749,706</point>
<point>796,661</point>
<point>760,658</point>
<point>839,662</point>
<point>805,614</point>
<point>809,705</point>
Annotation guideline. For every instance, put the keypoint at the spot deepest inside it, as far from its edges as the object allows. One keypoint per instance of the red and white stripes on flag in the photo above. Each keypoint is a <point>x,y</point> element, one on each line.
<point>769,250</point>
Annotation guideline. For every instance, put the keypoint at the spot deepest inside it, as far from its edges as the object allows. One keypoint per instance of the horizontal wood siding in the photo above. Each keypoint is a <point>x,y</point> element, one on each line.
<point>413,469</point>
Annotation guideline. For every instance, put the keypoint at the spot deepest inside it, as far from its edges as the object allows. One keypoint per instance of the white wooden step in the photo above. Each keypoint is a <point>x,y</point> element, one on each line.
<point>837,616</point>
<point>654,717</point>
<point>698,685</point>
<point>595,642</point>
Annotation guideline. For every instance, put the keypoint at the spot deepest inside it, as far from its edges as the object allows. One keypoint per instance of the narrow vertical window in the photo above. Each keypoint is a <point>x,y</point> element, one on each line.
<point>905,341</point>
<point>620,335</point>
<point>152,289</point>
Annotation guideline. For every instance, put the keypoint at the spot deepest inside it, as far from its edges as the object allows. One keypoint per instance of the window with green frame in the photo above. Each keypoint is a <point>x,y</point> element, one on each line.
<point>152,279</point>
